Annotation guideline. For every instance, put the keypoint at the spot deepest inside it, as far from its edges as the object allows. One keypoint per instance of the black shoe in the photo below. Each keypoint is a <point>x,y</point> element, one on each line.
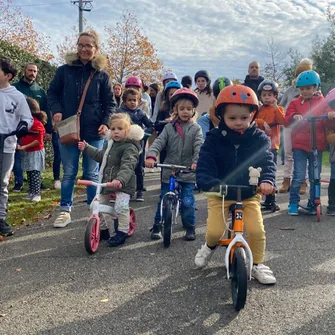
<point>117,239</point>
<point>104,234</point>
<point>139,196</point>
<point>17,188</point>
<point>190,234</point>
<point>270,206</point>
<point>5,229</point>
<point>156,231</point>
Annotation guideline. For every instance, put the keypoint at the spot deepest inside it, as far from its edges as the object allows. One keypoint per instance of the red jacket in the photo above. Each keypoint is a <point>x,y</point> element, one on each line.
<point>37,126</point>
<point>301,134</point>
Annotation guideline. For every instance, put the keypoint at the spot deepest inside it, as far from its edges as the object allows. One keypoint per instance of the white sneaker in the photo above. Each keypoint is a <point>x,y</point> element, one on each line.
<point>63,219</point>
<point>57,184</point>
<point>203,256</point>
<point>28,197</point>
<point>36,198</point>
<point>263,274</point>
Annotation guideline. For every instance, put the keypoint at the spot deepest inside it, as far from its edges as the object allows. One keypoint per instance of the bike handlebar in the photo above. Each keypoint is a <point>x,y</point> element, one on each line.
<point>172,166</point>
<point>315,118</point>
<point>223,188</point>
<point>14,132</point>
<point>93,183</point>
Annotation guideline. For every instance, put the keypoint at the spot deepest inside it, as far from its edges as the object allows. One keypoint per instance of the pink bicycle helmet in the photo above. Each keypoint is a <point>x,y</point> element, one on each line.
<point>330,97</point>
<point>169,75</point>
<point>184,93</point>
<point>134,81</point>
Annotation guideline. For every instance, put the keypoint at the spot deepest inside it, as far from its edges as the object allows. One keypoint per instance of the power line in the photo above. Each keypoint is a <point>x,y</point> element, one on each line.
<point>39,4</point>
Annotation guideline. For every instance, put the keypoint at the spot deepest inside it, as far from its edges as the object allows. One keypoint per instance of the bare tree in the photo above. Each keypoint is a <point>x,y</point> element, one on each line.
<point>274,68</point>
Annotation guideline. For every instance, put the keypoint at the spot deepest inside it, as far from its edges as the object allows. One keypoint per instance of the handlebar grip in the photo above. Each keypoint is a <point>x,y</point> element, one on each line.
<point>84,182</point>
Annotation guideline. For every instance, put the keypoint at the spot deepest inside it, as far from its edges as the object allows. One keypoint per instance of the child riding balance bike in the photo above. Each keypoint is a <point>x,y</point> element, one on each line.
<point>225,158</point>
<point>118,160</point>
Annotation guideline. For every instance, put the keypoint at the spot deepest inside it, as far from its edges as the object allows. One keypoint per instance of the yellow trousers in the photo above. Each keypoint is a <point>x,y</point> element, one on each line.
<point>253,220</point>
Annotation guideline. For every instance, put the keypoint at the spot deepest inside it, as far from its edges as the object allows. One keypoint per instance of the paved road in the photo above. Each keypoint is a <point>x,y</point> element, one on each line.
<point>51,286</point>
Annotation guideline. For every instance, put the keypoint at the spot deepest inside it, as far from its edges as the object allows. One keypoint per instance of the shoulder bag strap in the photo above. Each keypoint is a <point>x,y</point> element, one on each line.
<point>83,96</point>
<point>82,100</point>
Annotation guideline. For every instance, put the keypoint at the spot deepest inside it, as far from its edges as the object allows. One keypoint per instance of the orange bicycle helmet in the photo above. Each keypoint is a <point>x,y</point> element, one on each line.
<point>236,94</point>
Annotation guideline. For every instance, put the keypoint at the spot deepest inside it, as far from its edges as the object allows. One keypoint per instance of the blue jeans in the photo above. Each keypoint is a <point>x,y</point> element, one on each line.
<point>57,159</point>
<point>17,169</point>
<point>187,205</point>
<point>300,158</point>
<point>70,159</point>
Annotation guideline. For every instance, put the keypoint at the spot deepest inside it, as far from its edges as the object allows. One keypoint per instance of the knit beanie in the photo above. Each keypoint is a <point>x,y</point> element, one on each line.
<point>304,65</point>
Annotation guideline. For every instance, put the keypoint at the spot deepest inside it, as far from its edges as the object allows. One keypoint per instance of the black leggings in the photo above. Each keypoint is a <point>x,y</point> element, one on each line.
<point>34,182</point>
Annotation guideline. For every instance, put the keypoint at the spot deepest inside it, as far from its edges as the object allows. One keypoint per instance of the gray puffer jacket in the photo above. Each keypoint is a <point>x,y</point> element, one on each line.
<point>119,159</point>
<point>180,151</point>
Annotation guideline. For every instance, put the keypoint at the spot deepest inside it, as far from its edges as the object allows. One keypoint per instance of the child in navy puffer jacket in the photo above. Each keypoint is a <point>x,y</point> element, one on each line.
<point>225,157</point>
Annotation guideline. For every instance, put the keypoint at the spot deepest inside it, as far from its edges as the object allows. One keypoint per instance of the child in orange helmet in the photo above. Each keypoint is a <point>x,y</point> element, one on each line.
<point>269,118</point>
<point>225,157</point>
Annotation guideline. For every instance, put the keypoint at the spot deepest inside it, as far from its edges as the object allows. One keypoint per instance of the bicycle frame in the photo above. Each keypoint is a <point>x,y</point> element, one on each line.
<point>95,207</point>
<point>237,239</point>
<point>172,188</point>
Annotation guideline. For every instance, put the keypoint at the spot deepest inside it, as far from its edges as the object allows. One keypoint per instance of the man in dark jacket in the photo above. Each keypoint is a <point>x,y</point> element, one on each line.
<point>28,86</point>
<point>253,79</point>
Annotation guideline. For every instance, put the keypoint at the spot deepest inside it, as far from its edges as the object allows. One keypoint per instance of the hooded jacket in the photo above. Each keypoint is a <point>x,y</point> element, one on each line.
<point>180,151</point>
<point>301,131</point>
<point>226,156</point>
<point>35,91</point>
<point>120,159</point>
<point>13,109</point>
<point>66,89</point>
<point>253,83</point>
<point>137,117</point>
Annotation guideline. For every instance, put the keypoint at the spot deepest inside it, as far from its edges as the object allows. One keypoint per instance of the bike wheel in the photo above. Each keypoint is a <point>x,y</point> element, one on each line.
<point>239,279</point>
<point>167,219</point>
<point>92,236</point>
<point>132,222</point>
<point>318,213</point>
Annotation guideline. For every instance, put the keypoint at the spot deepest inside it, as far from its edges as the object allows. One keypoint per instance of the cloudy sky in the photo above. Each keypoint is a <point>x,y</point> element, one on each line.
<point>221,36</point>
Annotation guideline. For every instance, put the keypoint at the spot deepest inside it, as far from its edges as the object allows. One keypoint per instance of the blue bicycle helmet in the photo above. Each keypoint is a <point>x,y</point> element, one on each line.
<point>172,84</point>
<point>307,78</point>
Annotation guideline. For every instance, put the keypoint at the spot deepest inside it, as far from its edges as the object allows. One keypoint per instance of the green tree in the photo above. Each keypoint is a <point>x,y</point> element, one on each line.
<point>46,71</point>
<point>294,58</point>
<point>323,55</point>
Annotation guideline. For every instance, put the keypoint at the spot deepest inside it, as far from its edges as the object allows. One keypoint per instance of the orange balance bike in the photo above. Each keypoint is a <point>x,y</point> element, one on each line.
<point>238,256</point>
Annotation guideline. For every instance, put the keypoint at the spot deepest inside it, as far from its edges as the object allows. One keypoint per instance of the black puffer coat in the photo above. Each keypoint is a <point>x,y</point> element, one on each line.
<point>66,89</point>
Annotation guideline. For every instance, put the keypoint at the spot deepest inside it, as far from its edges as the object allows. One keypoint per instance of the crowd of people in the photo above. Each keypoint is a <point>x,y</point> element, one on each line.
<point>217,130</point>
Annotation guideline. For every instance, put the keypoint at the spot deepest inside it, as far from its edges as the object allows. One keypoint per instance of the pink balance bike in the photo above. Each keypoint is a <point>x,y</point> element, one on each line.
<point>92,232</point>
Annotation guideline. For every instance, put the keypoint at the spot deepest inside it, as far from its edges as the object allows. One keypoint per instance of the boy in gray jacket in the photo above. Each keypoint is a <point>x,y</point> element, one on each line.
<point>182,139</point>
<point>14,115</point>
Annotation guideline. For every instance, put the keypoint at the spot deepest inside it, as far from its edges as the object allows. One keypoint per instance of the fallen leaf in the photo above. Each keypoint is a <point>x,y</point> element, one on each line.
<point>287,228</point>
<point>1,238</point>
<point>104,300</point>
<point>47,217</point>
<point>18,270</point>
<point>23,220</point>
<point>2,315</point>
